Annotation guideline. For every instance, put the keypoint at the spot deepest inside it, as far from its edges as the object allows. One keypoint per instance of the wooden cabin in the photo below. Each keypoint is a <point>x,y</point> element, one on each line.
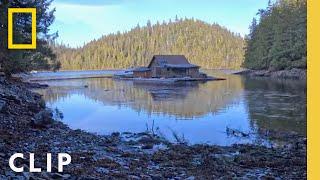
<point>168,66</point>
<point>142,72</point>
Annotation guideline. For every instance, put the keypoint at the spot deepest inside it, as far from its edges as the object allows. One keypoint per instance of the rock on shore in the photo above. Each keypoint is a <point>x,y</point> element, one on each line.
<point>27,126</point>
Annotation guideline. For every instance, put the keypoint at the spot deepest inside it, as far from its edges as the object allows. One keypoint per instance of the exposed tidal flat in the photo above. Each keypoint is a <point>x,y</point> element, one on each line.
<point>236,128</point>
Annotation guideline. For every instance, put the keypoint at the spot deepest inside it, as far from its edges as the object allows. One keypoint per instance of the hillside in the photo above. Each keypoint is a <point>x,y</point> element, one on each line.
<point>279,40</point>
<point>210,46</point>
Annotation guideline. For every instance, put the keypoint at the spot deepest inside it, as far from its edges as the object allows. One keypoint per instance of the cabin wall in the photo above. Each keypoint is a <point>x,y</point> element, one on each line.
<point>157,71</point>
<point>161,72</point>
<point>174,73</point>
<point>142,74</point>
<point>193,72</point>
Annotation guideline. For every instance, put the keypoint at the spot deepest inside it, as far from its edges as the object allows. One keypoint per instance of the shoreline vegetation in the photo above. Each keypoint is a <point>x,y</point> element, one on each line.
<point>283,74</point>
<point>278,37</point>
<point>27,126</point>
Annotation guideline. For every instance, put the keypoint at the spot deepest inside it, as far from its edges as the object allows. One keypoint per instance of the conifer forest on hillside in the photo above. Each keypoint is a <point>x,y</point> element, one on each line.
<point>210,46</point>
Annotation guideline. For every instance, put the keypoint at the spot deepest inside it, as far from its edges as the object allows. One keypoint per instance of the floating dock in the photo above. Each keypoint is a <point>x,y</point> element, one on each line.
<point>169,80</point>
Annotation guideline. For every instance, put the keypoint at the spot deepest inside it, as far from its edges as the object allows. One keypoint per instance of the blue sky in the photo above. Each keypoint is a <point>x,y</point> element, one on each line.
<point>80,21</point>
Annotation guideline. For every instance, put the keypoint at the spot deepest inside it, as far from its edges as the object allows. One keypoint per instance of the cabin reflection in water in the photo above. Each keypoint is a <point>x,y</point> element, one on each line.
<point>168,92</point>
<point>185,100</point>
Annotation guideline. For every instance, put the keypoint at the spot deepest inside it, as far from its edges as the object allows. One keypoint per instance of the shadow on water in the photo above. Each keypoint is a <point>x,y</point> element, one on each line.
<point>200,112</point>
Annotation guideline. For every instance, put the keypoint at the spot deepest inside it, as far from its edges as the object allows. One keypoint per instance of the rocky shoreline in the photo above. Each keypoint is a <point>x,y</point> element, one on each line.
<point>290,74</point>
<point>26,126</point>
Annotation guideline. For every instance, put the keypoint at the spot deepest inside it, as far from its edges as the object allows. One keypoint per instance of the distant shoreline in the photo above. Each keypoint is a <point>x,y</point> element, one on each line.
<point>69,78</point>
<point>299,74</point>
<point>63,75</point>
<point>79,70</point>
<point>294,73</point>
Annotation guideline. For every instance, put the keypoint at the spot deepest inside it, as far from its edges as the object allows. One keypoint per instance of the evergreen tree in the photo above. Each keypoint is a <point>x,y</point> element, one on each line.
<point>14,61</point>
<point>278,41</point>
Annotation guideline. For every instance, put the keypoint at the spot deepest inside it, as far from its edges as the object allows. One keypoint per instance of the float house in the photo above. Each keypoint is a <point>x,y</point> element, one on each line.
<point>168,66</point>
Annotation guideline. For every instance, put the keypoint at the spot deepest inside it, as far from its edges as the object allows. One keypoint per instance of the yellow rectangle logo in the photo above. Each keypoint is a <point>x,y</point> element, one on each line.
<point>33,12</point>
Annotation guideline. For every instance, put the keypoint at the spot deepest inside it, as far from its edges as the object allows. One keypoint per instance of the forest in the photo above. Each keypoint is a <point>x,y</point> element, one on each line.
<point>279,40</point>
<point>208,45</point>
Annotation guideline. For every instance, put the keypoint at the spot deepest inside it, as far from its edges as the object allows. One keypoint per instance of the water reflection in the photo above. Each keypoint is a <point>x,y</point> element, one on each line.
<point>200,112</point>
<point>278,104</point>
<point>184,100</point>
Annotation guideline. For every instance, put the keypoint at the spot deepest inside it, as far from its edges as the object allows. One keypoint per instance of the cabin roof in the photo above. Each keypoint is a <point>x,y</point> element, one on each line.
<point>180,65</point>
<point>173,61</point>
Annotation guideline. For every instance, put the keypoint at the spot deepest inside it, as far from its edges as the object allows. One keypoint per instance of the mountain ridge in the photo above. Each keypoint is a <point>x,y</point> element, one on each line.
<point>209,45</point>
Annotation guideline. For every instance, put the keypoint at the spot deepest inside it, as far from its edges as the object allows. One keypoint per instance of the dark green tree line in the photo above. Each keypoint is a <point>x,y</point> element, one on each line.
<point>15,61</point>
<point>279,40</point>
<point>208,45</point>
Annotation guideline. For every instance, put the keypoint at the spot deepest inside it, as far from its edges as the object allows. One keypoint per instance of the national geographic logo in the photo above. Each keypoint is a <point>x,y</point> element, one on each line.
<point>33,12</point>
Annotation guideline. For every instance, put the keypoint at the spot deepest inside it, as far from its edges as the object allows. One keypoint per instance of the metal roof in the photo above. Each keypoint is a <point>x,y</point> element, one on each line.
<point>174,61</point>
<point>181,65</point>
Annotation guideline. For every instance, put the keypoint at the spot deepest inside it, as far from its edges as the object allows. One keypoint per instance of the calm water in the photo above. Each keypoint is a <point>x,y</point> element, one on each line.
<point>197,112</point>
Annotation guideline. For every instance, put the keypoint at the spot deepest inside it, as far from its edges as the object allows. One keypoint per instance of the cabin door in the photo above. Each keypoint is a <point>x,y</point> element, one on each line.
<point>157,72</point>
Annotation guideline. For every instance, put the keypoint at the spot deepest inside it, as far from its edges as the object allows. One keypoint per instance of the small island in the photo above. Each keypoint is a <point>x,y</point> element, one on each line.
<point>166,69</point>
